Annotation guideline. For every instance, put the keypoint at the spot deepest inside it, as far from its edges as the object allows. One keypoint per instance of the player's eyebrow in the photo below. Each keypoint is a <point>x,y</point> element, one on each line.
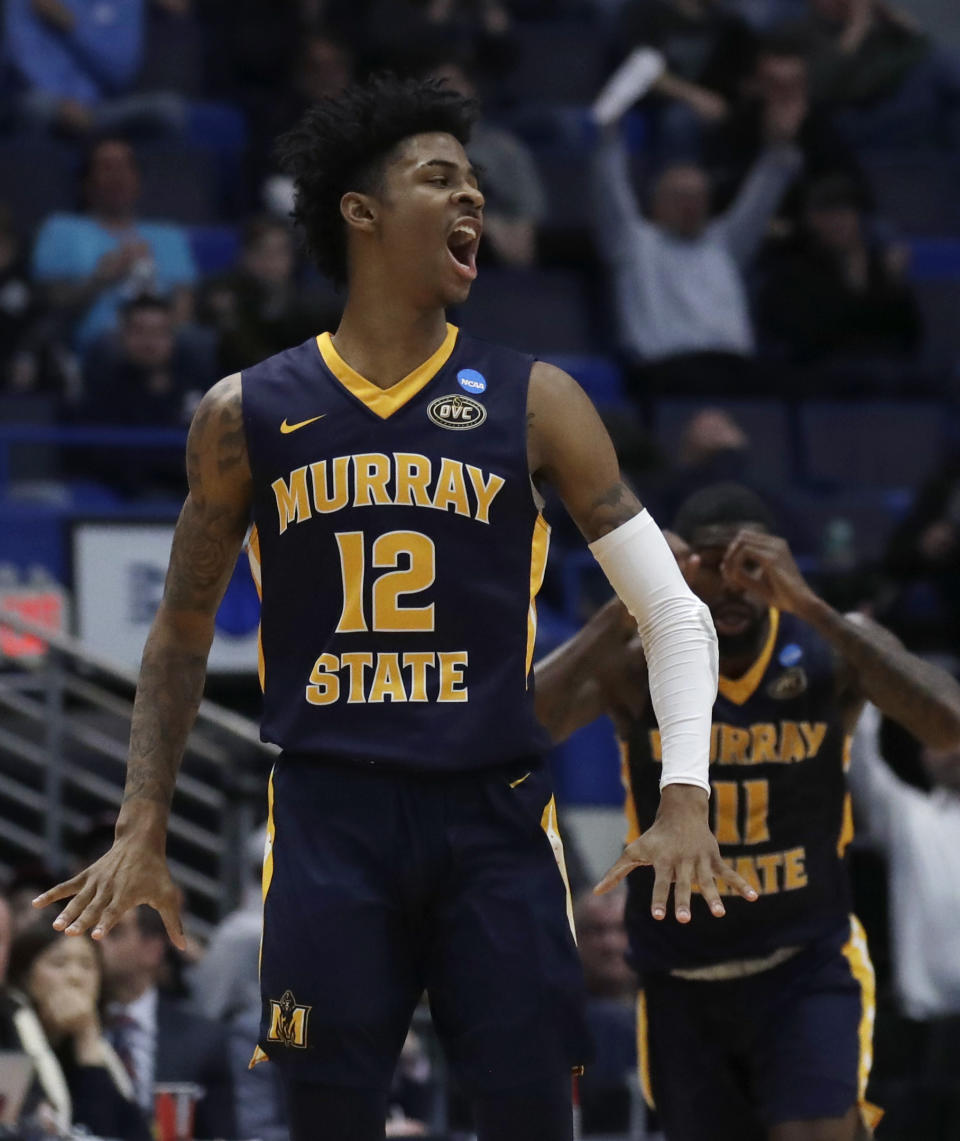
<point>447,164</point>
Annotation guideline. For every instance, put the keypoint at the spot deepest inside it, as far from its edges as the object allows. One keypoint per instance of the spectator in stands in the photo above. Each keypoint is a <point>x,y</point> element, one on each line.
<point>89,263</point>
<point>410,35</point>
<point>28,880</point>
<point>6,935</point>
<point>612,989</point>
<point>678,280</point>
<point>20,313</point>
<point>77,62</point>
<point>163,1040</point>
<point>146,376</point>
<point>512,186</point>
<point>323,66</point>
<point>836,294</point>
<point>919,834</point>
<point>873,64</point>
<point>779,79</point>
<point>708,51</point>
<point>139,376</point>
<point>923,566</point>
<point>50,1012</point>
<point>260,308</point>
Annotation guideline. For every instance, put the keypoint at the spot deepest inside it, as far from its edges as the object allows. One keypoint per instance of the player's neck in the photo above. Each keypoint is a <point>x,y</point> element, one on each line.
<point>385,339</point>
<point>736,660</point>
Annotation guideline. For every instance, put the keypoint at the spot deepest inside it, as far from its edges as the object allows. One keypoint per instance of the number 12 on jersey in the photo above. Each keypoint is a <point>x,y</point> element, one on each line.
<point>389,551</point>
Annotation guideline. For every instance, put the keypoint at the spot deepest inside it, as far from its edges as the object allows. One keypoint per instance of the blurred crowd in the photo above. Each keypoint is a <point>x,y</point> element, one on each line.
<point>736,221</point>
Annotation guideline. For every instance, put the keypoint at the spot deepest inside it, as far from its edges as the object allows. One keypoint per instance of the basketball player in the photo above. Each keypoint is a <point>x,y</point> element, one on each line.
<point>390,471</point>
<point>759,1029</point>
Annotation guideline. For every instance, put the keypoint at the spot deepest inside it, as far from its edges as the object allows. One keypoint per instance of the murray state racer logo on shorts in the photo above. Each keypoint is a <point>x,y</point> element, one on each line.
<point>456,412</point>
<point>288,1022</point>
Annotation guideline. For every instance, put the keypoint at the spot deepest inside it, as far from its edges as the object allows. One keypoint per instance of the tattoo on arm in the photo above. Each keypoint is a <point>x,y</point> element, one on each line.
<point>922,697</point>
<point>206,543</point>
<point>615,506</point>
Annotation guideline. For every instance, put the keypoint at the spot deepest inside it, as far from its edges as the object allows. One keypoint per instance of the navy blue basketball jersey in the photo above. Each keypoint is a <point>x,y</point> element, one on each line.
<point>779,807</point>
<point>398,551</point>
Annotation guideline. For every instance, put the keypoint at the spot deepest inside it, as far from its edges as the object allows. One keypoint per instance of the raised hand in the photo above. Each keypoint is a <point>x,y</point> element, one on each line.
<point>682,851</point>
<point>763,564</point>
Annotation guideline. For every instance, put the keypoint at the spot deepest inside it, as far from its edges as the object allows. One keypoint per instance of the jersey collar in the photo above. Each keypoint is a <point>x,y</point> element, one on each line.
<point>383,402</point>
<point>741,689</point>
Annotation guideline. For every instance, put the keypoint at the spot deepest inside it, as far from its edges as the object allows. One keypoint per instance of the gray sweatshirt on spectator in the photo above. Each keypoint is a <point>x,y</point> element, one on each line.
<point>676,295</point>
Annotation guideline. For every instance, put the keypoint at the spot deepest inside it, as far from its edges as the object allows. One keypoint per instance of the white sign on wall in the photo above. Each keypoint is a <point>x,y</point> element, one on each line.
<point>118,575</point>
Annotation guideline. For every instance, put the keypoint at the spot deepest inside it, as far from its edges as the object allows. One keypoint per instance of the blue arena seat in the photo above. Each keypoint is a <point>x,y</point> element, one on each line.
<point>935,259</point>
<point>558,63</point>
<point>917,192</point>
<point>180,184</point>
<point>37,178</point>
<point>215,248</point>
<point>600,377</point>
<point>567,183</point>
<point>880,444</point>
<point>870,514</point>
<point>939,302</point>
<point>541,311</point>
<point>766,423</point>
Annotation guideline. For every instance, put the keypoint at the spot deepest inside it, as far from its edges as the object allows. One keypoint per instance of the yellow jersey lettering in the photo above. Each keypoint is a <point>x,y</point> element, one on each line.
<point>324,687</point>
<point>452,684</point>
<point>371,474</point>
<point>418,662</point>
<point>764,743</point>
<point>485,492</point>
<point>794,869</point>
<point>387,680</point>
<point>768,866</point>
<point>792,747</point>
<point>325,501</point>
<point>451,489</point>
<point>746,867</point>
<point>813,735</point>
<point>733,745</point>
<point>714,742</point>
<point>656,749</point>
<point>356,663</point>
<point>293,502</point>
<point>413,474</point>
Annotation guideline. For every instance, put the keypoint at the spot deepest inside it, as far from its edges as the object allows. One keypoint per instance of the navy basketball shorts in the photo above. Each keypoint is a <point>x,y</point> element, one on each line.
<point>380,885</point>
<point>726,1060</point>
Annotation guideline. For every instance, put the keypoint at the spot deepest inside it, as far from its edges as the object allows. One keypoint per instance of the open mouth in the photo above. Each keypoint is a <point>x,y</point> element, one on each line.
<point>732,619</point>
<point>462,245</point>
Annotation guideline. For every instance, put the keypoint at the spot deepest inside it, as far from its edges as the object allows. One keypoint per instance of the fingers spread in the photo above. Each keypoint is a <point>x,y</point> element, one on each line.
<point>663,877</point>
<point>59,891</point>
<point>681,892</point>
<point>737,882</point>
<point>709,890</point>
<point>620,869</point>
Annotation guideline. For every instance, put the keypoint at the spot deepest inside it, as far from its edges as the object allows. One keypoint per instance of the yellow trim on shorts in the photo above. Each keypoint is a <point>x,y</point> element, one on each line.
<point>643,1050</point>
<point>857,954</point>
<point>548,822</point>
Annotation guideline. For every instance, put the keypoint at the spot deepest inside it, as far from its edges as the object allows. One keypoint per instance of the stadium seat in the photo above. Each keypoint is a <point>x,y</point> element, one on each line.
<point>917,192</point>
<point>541,311</point>
<point>870,515</point>
<point>935,259</point>
<point>765,422</point>
<point>567,183</point>
<point>860,444</point>
<point>940,308</point>
<point>215,248</point>
<point>558,63</point>
<point>180,184</point>
<point>600,377</point>
<point>37,178</point>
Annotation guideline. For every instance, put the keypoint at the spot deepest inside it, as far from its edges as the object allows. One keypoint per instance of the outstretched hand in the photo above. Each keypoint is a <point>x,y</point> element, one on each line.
<point>682,851</point>
<point>129,874</point>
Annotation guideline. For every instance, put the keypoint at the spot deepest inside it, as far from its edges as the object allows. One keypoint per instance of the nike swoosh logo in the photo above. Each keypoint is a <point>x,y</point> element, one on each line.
<point>519,781</point>
<point>286,428</point>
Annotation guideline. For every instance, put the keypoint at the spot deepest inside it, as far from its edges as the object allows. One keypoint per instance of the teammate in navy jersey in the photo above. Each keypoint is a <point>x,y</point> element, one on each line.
<point>760,1028</point>
<point>390,474</point>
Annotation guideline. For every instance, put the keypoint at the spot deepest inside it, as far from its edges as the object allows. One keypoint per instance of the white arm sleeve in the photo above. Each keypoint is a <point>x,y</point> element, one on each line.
<point>679,642</point>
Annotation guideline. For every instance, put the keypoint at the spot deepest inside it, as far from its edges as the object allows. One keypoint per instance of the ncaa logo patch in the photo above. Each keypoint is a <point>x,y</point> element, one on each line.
<point>472,381</point>
<point>456,412</point>
<point>288,1022</point>
<point>790,655</point>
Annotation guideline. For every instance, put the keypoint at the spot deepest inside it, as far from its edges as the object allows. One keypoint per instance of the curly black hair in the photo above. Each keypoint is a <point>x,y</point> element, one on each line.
<point>721,503</point>
<point>342,144</point>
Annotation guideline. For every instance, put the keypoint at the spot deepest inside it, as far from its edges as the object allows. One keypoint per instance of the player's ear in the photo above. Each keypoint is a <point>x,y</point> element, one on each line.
<point>358,210</point>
